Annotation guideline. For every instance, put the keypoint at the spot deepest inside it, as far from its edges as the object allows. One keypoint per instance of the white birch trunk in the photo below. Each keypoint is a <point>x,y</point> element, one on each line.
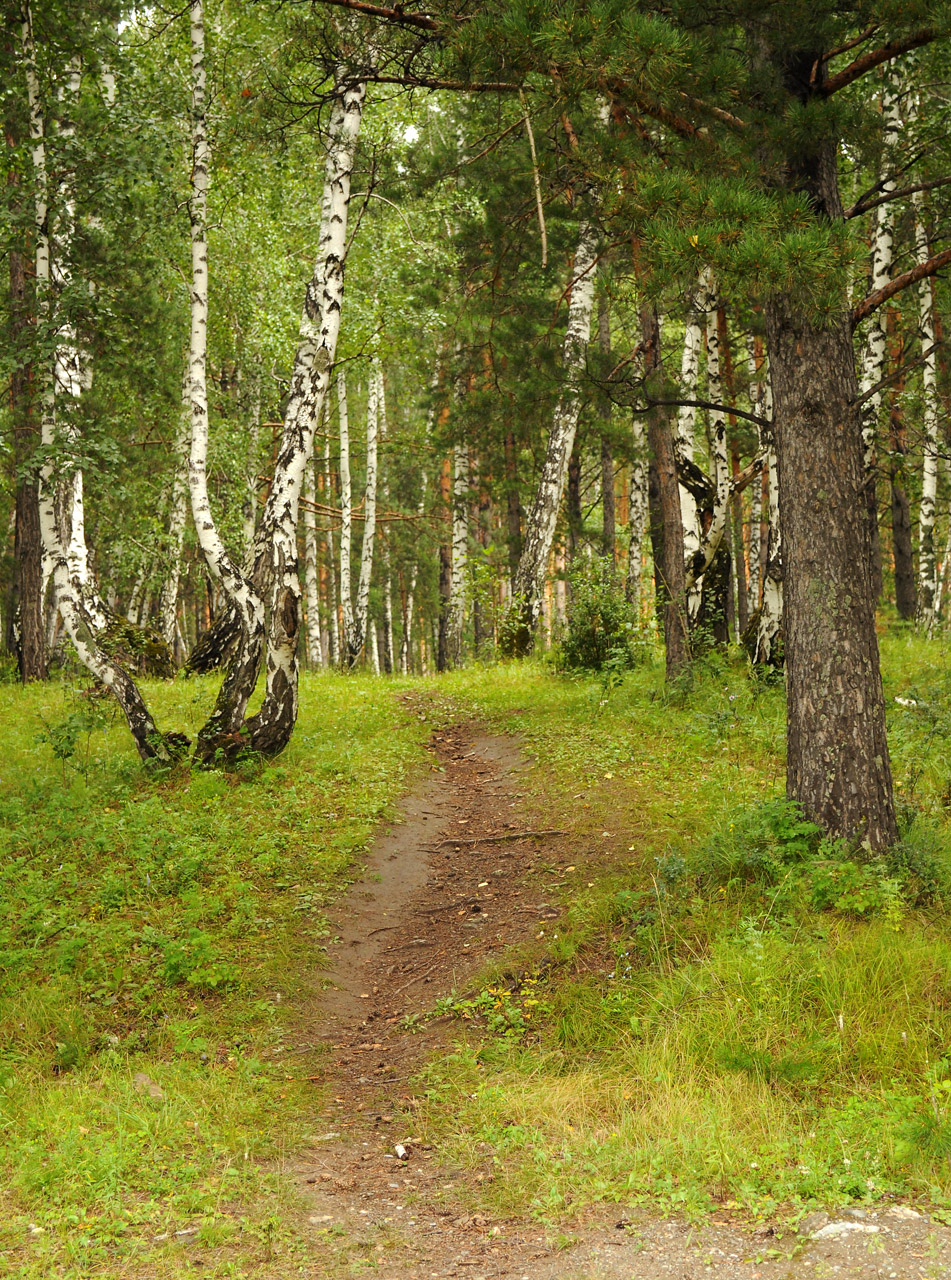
<point>458,591</point>
<point>346,514</point>
<point>271,728</point>
<point>684,439</point>
<point>414,574</point>
<point>710,544</point>
<point>311,591</point>
<point>757,402</point>
<point>770,624</point>
<point>638,503</point>
<point>375,411</point>
<point>927,572</point>
<point>68,590</point>
<point>528,587</point>
<point>373,647</point>
<point>178,510</point>
<point>874,352</point>
<point>332,650</point>
<point>233,696</point>
<point>387,647</point>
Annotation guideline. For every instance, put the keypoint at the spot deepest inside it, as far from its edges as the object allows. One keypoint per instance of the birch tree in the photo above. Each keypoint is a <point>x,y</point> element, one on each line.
<point>357,634</point>
<point>528,586</point>
<point>458,591</point>
<point>927,563</point>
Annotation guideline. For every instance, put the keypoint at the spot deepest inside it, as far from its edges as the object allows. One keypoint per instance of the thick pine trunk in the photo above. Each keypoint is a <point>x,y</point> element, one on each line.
<point>837,757</point>
<point>528,588</point>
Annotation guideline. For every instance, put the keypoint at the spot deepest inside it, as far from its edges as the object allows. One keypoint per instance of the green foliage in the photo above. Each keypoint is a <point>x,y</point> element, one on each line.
<point>603,633</point>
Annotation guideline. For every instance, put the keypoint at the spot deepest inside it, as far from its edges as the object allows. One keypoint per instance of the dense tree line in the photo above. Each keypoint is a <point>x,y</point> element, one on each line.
<point>346,332</point>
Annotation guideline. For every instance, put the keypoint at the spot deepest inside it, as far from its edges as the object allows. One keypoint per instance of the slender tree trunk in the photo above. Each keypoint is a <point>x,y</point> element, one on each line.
<point>246,603</point>
<point>459,575</point>
<point>609,521</point>
<point>742,599</point>
<point>699,304</point>
<point>346,517</point>
<point>311,583</point>
<point>638,514</point>
<point>927,565</point>
<point>513,506</point>
<point>410,597</point>
<point>375,414</point>
<point>671,594</point>
<point>530,578</point>
<point>177,515</point>
<point>333,630</point>
<point>445,575</point>
<point>27,602</point>
<point>902,550</point>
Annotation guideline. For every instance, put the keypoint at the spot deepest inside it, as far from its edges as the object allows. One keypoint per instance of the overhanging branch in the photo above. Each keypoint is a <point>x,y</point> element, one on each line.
<point>888,291</point>
<point>874,58</point>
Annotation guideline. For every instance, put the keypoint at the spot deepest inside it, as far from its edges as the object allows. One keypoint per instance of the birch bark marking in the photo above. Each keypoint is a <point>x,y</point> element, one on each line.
<point>767,649</point>
<point>178,504</point>
<point>927,567</point>
<point>528,587</point>
<point>346,517</point>
<point>333,633</point>
<point>242,671</point>
<point>638,514</point>
<point>68,591</point>
<point>271,728</point>
<point>460,553</point>
<point>710,544</point>
<point>356,638</point>
<point>684,439</point>
<point>312,594</point>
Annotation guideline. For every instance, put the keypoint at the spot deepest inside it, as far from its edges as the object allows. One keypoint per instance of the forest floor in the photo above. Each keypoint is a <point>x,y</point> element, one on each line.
<point>450,892</point>
<point>595,1003</point>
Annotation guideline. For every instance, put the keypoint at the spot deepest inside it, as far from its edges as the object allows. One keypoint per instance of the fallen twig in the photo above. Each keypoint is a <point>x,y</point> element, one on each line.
<point>509,835</point>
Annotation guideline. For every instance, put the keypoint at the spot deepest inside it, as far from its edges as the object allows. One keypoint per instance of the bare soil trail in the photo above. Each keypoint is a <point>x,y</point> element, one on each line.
<point>455,885</point>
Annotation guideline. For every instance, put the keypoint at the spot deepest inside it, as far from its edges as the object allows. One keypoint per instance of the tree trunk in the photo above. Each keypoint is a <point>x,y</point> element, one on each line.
<point>445,576</point>
<point>927,561</point>
<point>638,514</point>
<point>609,521</point>
<point>27,602</point>
<point>513,506</point>
<point>311,580</point>
<point>837,757</point>
<point>375,415</point>
<point>528,588</point>
<point>333,630</point>
<point>669,570</point>
<point>346,518</point>
<point>177,514</point>
<point>459,575</point>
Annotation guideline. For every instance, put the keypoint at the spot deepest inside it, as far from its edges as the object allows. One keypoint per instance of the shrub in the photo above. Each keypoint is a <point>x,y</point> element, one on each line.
<point>602,629</point>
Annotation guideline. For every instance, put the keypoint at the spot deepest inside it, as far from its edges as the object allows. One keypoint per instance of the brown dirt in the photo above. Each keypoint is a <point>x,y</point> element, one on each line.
<point>446,891</point>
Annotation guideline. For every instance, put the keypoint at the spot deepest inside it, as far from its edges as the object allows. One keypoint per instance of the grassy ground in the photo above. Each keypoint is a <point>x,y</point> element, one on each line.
<point>727,1017</point>
<point>738,1013</point>
<point>152,935</point>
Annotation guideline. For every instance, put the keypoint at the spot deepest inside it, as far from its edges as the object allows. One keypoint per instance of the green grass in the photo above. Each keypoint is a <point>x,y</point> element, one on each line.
<point>699,1032</point>
<point>706,1035</point>
<point>163,925</point>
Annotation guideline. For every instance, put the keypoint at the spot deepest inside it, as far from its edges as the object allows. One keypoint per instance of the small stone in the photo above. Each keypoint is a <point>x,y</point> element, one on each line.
<point>905,1213</point>
<point>835,1229</point>
<point>812,1222</point>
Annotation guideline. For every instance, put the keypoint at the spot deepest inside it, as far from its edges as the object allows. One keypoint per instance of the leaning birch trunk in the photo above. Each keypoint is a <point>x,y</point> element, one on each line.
<point>528,586</point>
<point>68,590</point>
<point>228,714</point>
<point>178,509</point>
<point>346,517</point>
<point>270,730</point>
<point>311,592</point>
<point>356,639</point>
<point>927,569</point>
<point>710,544</point>
<point>460,554</point>
<point>638,515</point>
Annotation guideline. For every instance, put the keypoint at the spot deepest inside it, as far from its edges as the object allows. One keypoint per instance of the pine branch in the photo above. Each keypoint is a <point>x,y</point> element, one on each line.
<point>865,205</point>
<point>411,81</point>
<point>874,58</point>
<point>898,374</point>
<point>877,299</point>
<point>708,404</point>
<point>396,15</point>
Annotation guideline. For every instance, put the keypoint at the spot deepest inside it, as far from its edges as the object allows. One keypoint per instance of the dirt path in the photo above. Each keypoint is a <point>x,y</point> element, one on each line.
<point>448,889</point>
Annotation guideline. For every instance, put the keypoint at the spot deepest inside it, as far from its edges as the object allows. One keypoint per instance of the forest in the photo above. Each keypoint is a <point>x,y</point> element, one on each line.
<point>523,426</point>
